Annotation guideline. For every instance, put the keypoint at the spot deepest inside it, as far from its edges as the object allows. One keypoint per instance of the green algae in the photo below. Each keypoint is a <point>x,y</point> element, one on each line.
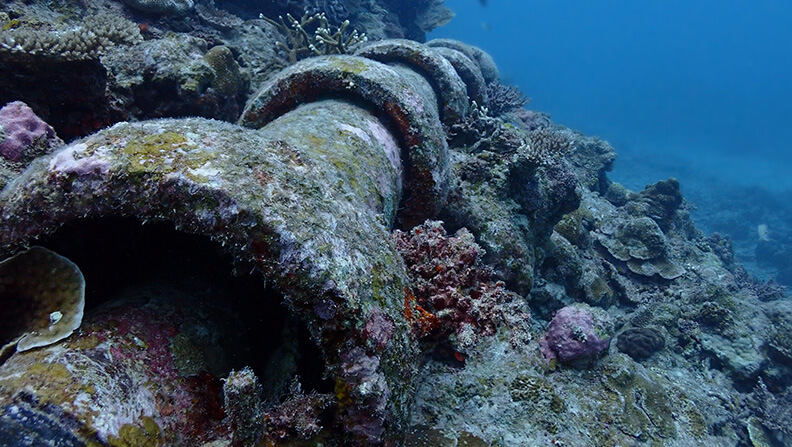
<point>350,65</point>
<point>165,153</point>
<point>145,434</point>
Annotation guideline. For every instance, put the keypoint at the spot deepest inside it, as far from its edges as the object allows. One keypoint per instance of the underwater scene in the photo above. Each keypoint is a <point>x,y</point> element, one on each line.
<point>396,223</point>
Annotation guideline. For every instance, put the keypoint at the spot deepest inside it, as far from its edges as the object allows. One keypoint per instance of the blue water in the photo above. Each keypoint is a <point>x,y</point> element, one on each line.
<point>699,90</point>
<point>708,81</point>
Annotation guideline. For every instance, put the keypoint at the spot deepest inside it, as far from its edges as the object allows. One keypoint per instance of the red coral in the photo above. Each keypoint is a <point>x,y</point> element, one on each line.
<point>451,293</point>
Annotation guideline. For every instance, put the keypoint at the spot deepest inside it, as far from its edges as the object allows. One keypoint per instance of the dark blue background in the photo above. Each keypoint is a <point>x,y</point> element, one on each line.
<point>697,89</point>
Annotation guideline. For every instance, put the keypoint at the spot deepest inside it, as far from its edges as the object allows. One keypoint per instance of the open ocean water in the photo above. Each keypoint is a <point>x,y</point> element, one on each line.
<point>700,91</point>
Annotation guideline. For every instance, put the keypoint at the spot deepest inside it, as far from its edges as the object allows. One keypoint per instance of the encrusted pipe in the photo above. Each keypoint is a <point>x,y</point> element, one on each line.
<point>326,157</point>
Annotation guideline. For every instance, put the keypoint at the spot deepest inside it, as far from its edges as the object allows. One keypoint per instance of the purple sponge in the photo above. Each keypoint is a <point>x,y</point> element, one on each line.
<point>23,135</point>
<point>570,336</point>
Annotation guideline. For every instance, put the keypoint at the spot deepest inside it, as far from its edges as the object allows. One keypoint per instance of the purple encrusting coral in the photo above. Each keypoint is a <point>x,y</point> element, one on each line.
<point>571,336</point>
<point>23,135</point>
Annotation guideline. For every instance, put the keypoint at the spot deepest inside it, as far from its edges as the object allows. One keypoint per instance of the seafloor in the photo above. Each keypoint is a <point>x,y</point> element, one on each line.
<point>298,223</point>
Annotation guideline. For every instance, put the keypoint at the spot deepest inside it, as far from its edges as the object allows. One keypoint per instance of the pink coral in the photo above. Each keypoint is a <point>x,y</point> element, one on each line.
<point>571,336</point>
<point>23,135</point>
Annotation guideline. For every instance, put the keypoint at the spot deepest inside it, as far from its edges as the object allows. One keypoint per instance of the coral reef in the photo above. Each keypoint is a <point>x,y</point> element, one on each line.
<point>120,375</point>
<point>641,244</point>
<point>426,244</point>
<point>503,99</point>
<point>23,137</point>
<point>178,76</point>
<point>242,402</point>
<point>547,145</point>
<point>174,7</point>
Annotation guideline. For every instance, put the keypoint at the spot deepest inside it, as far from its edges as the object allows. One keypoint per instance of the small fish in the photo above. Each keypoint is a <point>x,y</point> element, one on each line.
<point>483,2</point>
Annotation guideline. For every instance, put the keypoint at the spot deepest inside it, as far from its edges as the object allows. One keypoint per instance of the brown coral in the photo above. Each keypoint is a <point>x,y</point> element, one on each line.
<point>43,296</point>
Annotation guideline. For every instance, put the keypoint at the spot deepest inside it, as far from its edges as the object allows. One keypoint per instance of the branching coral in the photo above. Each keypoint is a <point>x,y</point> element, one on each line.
<point>326,39</point>
<point>478,131</point>
<point>87,40</point>
<point>504,98</point>
<point>333,9</point>
<point>546,145</point>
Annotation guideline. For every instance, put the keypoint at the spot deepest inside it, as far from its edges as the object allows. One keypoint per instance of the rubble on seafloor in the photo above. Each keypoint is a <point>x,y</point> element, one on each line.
<point>283,246</point>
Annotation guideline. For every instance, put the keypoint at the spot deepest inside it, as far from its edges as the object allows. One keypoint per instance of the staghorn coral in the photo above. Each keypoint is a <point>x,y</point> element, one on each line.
<point>333,9</point>
<point>326,39</point>
<point>86,40</point>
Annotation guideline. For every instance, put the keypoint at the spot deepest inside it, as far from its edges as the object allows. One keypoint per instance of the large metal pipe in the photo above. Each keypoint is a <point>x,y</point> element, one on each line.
<point>304,190</point>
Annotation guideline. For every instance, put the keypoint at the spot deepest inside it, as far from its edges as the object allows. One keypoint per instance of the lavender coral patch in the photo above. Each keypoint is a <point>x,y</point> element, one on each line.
<point>68,161</point>
<point>571,336</point>
<point>23,135</point>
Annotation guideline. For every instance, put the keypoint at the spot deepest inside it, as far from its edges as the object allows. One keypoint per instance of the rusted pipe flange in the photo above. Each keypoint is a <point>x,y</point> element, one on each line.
<point>397,95</point>
<point>449,88</point>
<point>487,65</point>
<point>469,71</point>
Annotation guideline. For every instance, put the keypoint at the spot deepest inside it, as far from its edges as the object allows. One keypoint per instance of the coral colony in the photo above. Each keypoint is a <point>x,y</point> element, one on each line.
<point>272,231</point>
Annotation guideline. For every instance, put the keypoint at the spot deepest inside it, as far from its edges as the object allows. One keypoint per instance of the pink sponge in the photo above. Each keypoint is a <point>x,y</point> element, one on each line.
<point>571,336</point>
<point>23,135</point>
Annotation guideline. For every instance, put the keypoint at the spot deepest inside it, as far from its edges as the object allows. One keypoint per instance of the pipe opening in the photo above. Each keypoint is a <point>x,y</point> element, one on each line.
<point>240,320</point>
